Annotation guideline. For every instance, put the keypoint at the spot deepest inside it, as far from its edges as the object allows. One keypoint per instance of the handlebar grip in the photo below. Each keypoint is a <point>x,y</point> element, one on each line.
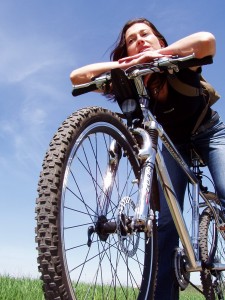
<point>195,62</point>
<point>80,91</point>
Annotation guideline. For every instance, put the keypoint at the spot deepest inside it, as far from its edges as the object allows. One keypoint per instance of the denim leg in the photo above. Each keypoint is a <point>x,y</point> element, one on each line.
<point>167,287</point>
<point>211,145</point>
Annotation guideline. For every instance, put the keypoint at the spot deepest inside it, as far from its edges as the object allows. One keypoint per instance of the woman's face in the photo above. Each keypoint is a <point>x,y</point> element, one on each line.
<point>139,38</point>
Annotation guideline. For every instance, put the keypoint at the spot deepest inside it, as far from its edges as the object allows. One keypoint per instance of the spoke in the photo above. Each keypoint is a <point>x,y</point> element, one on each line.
<point>76,226</point>
<point>78,211</point>
<point>82,200</point>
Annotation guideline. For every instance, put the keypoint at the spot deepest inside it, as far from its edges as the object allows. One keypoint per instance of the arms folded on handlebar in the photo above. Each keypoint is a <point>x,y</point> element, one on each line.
<point>169,64</point>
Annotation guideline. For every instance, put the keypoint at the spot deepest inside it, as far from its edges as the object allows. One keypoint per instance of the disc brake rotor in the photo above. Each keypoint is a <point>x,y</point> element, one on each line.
<point>128,239</point>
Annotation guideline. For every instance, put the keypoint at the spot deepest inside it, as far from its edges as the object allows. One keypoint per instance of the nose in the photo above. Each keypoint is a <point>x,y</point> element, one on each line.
<point>140,40</point>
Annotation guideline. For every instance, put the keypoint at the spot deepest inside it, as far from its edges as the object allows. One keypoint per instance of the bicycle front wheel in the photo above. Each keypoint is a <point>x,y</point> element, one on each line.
<point>87,192</point>
<point>212,252</point>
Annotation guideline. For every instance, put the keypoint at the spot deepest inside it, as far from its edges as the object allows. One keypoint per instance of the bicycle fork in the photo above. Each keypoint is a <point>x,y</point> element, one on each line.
<point>147,155</point>
<point>141,221</point>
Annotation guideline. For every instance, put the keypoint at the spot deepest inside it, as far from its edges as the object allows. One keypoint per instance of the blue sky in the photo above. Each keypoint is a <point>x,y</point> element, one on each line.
<point>41,42</point>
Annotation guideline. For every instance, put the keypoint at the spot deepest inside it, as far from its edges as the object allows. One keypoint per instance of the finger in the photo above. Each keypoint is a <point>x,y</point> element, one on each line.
<point>126,59</point>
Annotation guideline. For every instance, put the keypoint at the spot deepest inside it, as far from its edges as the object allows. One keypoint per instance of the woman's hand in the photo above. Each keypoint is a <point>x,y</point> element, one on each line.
<point>142,57</point>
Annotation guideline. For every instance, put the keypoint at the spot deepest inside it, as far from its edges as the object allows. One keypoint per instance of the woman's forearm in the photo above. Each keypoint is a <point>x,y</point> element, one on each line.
<point>85,74</point>
<point>201,43</point>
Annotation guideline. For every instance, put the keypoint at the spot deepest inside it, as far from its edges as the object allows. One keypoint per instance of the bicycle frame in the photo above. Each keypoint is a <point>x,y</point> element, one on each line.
<point>150,156</point>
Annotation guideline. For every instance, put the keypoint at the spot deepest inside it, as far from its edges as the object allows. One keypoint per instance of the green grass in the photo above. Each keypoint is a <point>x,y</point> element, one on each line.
<point>191,294</point>
<point>30,289</point>
<point>20,288</point>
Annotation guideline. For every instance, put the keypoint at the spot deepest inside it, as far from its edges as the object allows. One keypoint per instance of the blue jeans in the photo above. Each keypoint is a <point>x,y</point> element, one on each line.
<point>211,146</point>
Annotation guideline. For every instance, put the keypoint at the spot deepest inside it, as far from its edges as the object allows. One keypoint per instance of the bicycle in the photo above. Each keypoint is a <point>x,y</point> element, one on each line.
<point>97,208</point>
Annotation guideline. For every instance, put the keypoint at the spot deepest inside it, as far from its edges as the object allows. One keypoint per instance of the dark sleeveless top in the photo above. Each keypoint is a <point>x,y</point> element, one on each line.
<point>179,114</point>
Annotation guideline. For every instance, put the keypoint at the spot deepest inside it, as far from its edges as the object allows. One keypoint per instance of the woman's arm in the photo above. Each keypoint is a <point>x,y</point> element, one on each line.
<point>84,74</point>
<point>201,43</point>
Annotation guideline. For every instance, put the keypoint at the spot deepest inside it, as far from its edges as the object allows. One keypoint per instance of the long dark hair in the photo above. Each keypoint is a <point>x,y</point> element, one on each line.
<point>120,49</point>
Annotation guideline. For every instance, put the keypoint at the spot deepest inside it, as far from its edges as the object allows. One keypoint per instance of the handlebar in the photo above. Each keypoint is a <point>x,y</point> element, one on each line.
<point>169,64</point>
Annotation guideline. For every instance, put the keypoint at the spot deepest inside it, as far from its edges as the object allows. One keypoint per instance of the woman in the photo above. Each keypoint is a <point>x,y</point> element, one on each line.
<point>141,42</point>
